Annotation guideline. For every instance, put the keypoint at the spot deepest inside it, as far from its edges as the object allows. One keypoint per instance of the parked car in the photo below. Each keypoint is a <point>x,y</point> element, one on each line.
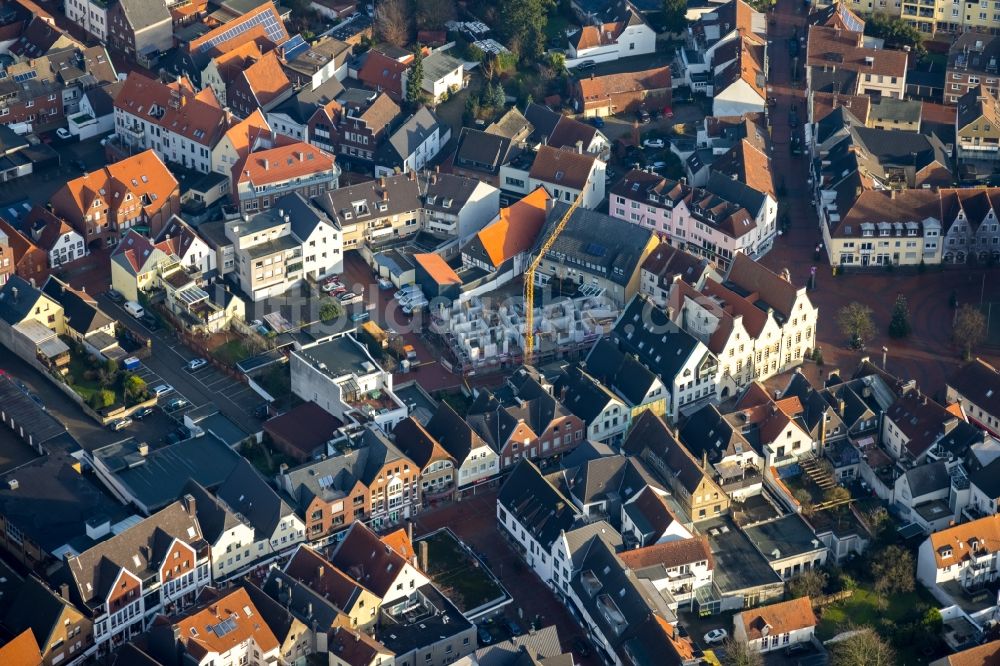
<point>485,637</point>
<point>360,316</point>
<point>384,284</point>
<point>260,411</point>
<point>585,65</point>
<point>653,143</point>
<point>162,389</point>
<point>581,647</point>
<point>115,296</point>
<point>659,164</point>
<point>64,133</point>
<point>347,297</point>
<point>150,322</point>
<point>120,424</point>
<point>597,122</point>
<point>175,404</point>
<point>643,116</point>
<point>512,626</point>
<point>327,287</point>
<point>196,363</point>
<point>716,636</point>
<point>140,414</point>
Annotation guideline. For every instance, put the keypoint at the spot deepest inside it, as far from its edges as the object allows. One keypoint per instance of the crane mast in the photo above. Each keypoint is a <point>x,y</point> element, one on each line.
<point>529,281</point>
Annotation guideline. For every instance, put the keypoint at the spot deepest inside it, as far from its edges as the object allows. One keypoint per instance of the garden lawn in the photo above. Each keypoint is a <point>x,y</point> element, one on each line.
<point>84,387</point>
<point>862,608</point>
<point>231,352</point>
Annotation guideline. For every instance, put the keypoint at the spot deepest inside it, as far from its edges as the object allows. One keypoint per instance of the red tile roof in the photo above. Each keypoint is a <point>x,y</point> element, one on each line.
<point>516,229</point>
<point>670,554</point>
<point>780,618</point>
<point>175,107</point>
<point>828,47</point>
<point>437,268</point>
<point>22,650</point>
<point>298,159</point>
<point>381,72</point>
<point>199,640</point>
<point>240,36</point>
<point>596,90</point>
<point>562,168</point>
<point>267,79</point>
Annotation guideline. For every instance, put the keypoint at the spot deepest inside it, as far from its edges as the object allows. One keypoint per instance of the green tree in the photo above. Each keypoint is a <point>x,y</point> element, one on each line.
<point>557,61</point>
<point>896,32</point>
<point>893,572</point>
<point>932,621</point>
<point>134,388</point>
<point>739,653</point>
<point>855,321</point>
<point>498,97</point>
<point>329,310</point>
<point>862,648</point>
<point>674,16</point>
<point>111,366</point>
<point>810,583</point>
<point>970,329</point>
<point>899,325</point>
<point>837,494</point>
<point>524,24</point>
<point>415,80</point>
<point>101,399</point>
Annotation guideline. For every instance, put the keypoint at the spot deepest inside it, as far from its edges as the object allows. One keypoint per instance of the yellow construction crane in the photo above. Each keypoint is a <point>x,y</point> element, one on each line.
<point>529,282</point>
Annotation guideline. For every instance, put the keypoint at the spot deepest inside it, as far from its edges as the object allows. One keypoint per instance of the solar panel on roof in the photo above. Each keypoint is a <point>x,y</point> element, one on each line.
<point>295,47</point>
<point>224,627</point>
<point>25,76</point>
<point>596,249</point>
<point>272,29</point>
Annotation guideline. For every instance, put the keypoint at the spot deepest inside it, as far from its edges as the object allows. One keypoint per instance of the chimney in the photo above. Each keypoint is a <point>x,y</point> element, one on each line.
<point>381,181</point>
<point>423,555</point>
<point>64,591</point>
<point>704,460</point>
<point>189,504</point>
<point>409,535</point>
<point>579,146</point>
<point>143,449</point>
<point>13,293</point>
<point>309,609</point>
<point>320,570</point>
<point>385,195</point>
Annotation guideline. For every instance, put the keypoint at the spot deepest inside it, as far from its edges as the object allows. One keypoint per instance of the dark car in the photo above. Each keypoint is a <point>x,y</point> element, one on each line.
<point>150,322</point>
<point>793,46</point>
<point>115,296</point>
<point>140,414</point>
<point>260,411</point>
<point>581,647</point>
<point>513,627</point>
<point>586,64</point>
<point>597,122</point>
<point>643,116</point>
<point>485,637</point>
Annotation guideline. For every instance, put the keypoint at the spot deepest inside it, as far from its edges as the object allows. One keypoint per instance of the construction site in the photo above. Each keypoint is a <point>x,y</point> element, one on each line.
<point>485,336</point>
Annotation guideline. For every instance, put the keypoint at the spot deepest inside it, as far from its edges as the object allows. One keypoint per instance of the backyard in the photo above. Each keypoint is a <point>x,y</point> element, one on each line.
<point>232,352</point>
<point>460,575</point>
<point>101,383</point>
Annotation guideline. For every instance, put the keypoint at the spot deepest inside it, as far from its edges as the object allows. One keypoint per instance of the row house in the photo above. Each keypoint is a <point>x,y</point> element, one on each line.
<point>247,80</point>
<point>972,63</point>
<point>775,627</point>
<point>720,441</point>
<point>180,125</point>
<point>64,634</point>
<point>8,262</point>
<point>353,599</point>
<point>620,31</point>
<point>312,65</point>
<point>157,566</point>
<point>284,245</point>
<point>477,464</point>
<point>623,93</point>
<point>264,177</point>
<point>739,82</point>
<point>540,125</point>
<point>756,322</point>
<point>374,483</point>
<point>566,174</point>
<point>976,388</point>
<point>970,228</point>
<point>262,24</point>
<point>249,135</point>
<point>679,568</point>
<point>436,466</point>
<point>354,126</point>
<point>140,30</point>
<point>391,208</point>
<point>531,424</point>
<point>667,265</point>
<point>839,60</point>
<point>916,428</point>
<point>138,192</point>
<point>713,30</point>
<point>606,416</point>
<point>414,144</point>
<point>775,426</point>
<point>53,235</point>
<point>977,126</point>
<point>961,560</point>
<point>501,247</point>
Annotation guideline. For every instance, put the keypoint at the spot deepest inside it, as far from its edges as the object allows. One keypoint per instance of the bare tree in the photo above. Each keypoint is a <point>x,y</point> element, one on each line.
<point>433,14</point>
<point>893,571</point>
<point>738,653</point>
<point>393,19</point>
<point>970,328</point>
<point>808,584</point>
<point>864,648</point>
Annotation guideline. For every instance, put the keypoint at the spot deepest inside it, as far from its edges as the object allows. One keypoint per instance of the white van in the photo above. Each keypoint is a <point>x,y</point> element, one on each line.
<point>134,309</point>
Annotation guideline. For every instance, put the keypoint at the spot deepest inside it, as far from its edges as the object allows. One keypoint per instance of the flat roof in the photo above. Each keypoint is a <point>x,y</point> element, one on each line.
<point>738,564</point>
<point>421,408</point>
<point>339,356</point>
<point>422,629</point>
<point>788,536</point>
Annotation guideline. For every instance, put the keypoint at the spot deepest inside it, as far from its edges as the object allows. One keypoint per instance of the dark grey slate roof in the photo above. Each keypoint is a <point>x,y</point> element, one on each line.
<point>928,478</point>
<point>987,479</point>
<point>213,516</point>
<point>81,316</point>
<point>17,298</point>
<point>645,331</point>
<point>248,494</point>
<point>537,504</point>
<point>620,372</point>
<point>582,394</point>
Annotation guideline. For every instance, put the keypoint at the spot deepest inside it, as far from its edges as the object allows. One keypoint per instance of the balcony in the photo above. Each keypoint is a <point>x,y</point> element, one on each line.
<point>133,135</point>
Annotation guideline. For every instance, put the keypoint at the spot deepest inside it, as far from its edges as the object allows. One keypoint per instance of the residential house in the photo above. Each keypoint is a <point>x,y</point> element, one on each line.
<point>667,265</point>
<point>533,514</point>
<point>925,495</point>
<point>16,160</point>
<point>30,322</point>
<point>596,251</point>
<point>264,18</point>
<point>718,440</point>
<point>774,427</point>
<point>525,421</point>
<point>22,649</point>
<point>478,463</point>
<point>501,247</point>
<point>972,62</point>
<point>413,145</point>
<point>308,608</point>
<point>83,320</point>
<point>376,566</point>
<point>91,16</point>
<point>547,127</point>
<point>342,378</point>
<point>351,648</point>
<point>303,432</point>
<point>312,65</point>
<point>178,238</point>
<point>756,322</point>
<point>249,135</point>
<point>889,113</point>
<point>158,565</point>
<point>261,84</point>
<point>647,520</point>
<point>652,442</point>
<point>265,176</point>
<point>977,126</point>
<point>64,634</point>
<point>625,93</point>
<point>481,155</point>
<point>139,29</point>
<point>712,31</point>
<point>601,486</point>
<point>435,464</point>
<point>838,60</point>
<point>136,264</point>
<point>739,83</point>
<point>284,245</point>
<point>221,628</point>
<point>353,127</point>
<point>680,568</point>
<point>788,544</point>
<point>916,426</point>
<point>182,126</point>
<point>294,636</point>
<point>606,416</point>
<point>390,208</point>
<point>976,388</point>
<point>620,31</point>
<point>352,598</point>
<point>565,174</point>
<point>982,654</point>
<point>960,560</point>
<point>54,236</point>
<point>383,73</point>
<point>226,533</point>
<point>444,75</point>
<point>628,379</point>
<point>777,626</point>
